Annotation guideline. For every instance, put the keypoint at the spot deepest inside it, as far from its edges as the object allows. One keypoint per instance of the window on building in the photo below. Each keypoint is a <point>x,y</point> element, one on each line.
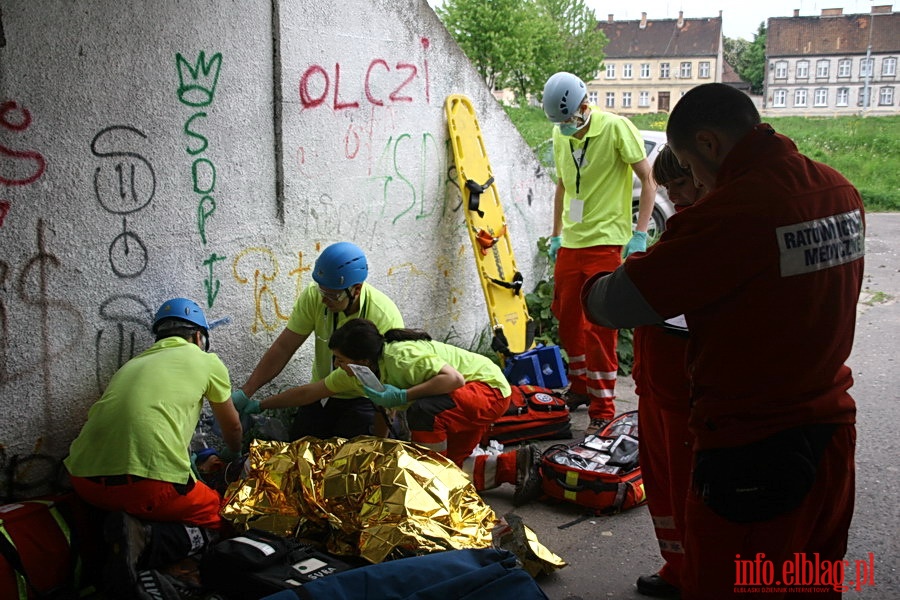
<point>592,97</point>
<point>645,70</point>
<point>626,71</point>
<point>781,69</point>
<point>886,96</point>
<point>685,70</point>
<point>626,99</point>
<point>865,67</point>
<point>861,99</point>
<point>610,70</point>
<point>844,67</point>
<point>800,97</point>
<point>610,99</point>
<point>644,99</point>
<point>802,69</point>
<point>843,97</point>
<point>779,98</point>
<point>822,68</point>
<point>821,97</point>
<point>889,67</point>
<point>664,70</point>
<point>703,70</point>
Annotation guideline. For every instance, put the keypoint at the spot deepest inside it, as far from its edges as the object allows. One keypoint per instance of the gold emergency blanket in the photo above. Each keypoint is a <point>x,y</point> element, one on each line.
<point>372,497</point>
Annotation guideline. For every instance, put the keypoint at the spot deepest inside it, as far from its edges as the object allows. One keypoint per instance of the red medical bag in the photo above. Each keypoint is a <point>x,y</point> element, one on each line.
<point>535,413</point>
<point>601,472</point>
<point>49,547</point>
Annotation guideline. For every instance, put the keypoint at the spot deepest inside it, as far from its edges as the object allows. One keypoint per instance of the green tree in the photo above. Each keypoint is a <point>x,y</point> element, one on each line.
<point>494,34</point>
<point>751,62</point>
<point>733,49</point>
<point>520,43</point>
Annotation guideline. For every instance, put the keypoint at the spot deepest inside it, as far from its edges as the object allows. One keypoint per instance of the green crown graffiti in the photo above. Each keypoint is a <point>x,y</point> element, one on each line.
<point>197,83</point>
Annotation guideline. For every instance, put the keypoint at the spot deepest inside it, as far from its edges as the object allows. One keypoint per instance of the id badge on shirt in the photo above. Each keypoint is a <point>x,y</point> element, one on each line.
<point>576,210</point>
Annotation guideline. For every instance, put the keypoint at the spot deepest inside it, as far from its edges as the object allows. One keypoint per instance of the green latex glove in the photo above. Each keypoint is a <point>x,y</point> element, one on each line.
<point>555,245</point>
<point>239,399</point>
<point>252,407</point>
<point>637,243</point>
<point>391,397</point>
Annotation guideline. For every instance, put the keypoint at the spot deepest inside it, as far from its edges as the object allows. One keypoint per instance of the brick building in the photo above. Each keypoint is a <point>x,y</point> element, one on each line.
<point>830,64</point>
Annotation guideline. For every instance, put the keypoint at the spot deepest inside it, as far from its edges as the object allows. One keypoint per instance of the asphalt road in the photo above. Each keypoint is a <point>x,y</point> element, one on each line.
<point>605,555</point>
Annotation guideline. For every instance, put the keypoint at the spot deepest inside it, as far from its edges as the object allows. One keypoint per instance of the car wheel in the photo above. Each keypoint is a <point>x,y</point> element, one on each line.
<point>656,226</point>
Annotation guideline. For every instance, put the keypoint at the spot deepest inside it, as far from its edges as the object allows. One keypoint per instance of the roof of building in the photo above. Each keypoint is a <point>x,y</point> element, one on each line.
<point>731,77</point>
<point>833,34</point>
<point>660,38</point>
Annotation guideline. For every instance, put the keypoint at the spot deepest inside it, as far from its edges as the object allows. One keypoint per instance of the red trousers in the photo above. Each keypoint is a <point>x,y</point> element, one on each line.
<point>152,500</point>
<point>454,424</point>
<point>666,448</point>
<point>818,525</point>
<point>593,363</point>
<point>488,471</point>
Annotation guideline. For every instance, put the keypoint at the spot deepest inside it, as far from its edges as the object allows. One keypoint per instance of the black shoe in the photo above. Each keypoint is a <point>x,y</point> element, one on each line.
<point>574,400</point>
<point>596,426</point>
<point>529,484</point>
<point>656,587</point>
<point>153,585</point>
<point>127,538</point>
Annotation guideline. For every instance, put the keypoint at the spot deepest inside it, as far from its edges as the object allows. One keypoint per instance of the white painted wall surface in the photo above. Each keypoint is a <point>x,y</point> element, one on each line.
<point>126,179</point>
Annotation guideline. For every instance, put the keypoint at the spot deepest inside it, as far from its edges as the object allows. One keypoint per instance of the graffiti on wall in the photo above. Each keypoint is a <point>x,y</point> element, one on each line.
<point>197,89</point>
<point>403,168</point>
<point>17,167</point>
<point>258,268</point>
<point>124,185</point>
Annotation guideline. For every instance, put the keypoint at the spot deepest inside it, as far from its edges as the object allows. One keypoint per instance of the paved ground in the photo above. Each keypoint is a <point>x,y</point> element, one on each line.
<point>606,554</point>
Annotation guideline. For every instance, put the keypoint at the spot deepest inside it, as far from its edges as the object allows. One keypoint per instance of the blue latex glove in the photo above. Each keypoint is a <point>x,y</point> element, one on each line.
<point>555,245</point>
<point>239,399</point>
<point>391,397</point>
<point>637,243</point>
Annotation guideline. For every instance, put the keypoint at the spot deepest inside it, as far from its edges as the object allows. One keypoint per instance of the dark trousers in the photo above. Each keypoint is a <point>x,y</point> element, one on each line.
<point>340,417</point>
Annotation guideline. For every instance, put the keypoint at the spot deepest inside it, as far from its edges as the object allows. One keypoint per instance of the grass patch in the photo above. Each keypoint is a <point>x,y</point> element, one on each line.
<point>864,150</point>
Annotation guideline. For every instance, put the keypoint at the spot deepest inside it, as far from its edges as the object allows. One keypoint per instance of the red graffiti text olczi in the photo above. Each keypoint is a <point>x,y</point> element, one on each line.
<point>317,85</point>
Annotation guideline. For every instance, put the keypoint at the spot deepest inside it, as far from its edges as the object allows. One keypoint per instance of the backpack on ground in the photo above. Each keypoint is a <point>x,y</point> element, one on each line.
<point>480,574</point>
<point>50,548</point>
<point>601,472</point>
<point>534,413</point>
<point>257,563</point>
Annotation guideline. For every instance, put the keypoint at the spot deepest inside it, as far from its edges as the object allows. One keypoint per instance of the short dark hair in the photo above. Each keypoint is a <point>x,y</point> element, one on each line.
<point>175,327</point>
<point>712,106</point>
<point>666,167</point>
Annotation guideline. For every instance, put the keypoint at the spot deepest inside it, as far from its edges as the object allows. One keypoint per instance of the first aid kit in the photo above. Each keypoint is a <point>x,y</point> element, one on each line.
<point>601,472</point>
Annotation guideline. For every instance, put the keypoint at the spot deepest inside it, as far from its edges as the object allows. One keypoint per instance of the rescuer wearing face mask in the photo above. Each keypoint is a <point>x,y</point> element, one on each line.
<point>595,154</point>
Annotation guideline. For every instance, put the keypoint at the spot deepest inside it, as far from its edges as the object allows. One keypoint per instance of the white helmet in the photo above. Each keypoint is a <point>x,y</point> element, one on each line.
<point>563,94</point>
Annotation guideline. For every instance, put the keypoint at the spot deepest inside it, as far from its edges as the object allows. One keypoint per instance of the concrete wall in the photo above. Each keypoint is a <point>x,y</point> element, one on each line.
<point>210,149</point>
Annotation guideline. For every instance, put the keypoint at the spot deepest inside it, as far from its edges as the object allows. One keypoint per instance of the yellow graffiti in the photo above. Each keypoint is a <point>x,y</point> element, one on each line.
<point>264,267</point>
<point>299,271</point>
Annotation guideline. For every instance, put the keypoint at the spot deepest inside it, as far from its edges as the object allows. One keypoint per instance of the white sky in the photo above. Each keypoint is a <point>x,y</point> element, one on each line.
<point>740,18</point>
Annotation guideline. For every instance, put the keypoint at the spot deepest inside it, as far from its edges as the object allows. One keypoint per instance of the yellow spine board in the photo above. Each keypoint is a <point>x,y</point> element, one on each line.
<point>487,229</point>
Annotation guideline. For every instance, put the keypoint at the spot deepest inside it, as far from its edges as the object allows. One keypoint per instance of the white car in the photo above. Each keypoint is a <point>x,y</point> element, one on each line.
<point>663,208</point>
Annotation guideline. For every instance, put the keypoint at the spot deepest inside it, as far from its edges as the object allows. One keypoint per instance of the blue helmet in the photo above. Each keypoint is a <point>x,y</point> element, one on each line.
<point>340,266</point>
<point>184,310</point>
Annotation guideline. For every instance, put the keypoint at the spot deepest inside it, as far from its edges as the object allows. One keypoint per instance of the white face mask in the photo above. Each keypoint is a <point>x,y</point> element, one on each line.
<point>578,122</point>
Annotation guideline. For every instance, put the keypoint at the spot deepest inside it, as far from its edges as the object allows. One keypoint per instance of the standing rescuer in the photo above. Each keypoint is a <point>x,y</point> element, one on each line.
<point>771,325</point>
<point>596,153</point>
